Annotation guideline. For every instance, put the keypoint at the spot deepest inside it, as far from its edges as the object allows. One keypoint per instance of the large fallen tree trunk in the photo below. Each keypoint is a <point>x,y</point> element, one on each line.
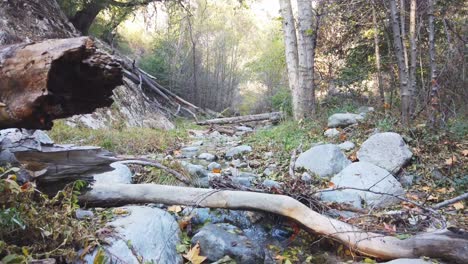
<point>43,81</point>
<point>275,116</point>
<point>443,244</point>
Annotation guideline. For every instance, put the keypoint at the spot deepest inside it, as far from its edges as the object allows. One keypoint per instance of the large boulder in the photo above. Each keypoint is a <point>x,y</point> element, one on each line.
<point>219,240</point>
<point>343,119</point>
<point>323,160</point>
<point>145,235</point>
<point>387,150</point>
<point>365,176</point>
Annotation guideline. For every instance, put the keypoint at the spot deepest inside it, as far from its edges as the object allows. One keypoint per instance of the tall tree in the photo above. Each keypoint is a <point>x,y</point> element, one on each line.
<point>413,54</point>
<point>377,55</point>
<point>433,68</point>
<point>290,44</point>
<point>402,69</point>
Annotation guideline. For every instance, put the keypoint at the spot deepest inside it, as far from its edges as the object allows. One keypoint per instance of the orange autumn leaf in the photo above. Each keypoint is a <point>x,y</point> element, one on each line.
<point>343,137</point>
<point>216,170</point>
<point>194,255</point>
<point>25,186</point>
<point>331,185</point>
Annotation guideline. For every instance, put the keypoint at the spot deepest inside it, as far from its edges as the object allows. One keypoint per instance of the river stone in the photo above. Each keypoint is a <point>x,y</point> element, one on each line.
<point>213,165</point>
<point>331,133</point>
<point>219,240</point>
<point>346,146</point>
<point>120,174</point>
<point>207,156</point>
<point>364,175</point>
<point>271,184</point>
<point>197,171</point>
<point>343,119</point>
<point>386,150</point>
<point>323,160</point>
<point>409,261</point>
<point>244,181</point>
<point>242,149</point>
<point>153,234</point>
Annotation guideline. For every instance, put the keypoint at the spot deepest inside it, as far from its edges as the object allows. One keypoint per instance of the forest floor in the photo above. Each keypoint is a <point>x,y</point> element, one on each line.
<point>438,172</point>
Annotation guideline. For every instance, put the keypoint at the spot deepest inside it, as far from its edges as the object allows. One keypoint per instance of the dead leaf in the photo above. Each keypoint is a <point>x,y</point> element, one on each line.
<point>465,152</point>
<point>184,222</point>
<point>25,186</point>
<point>451,161</point>
<point>194,255</point>
<point>331,185</point>
<point>120,211</point>
<point>174,208</point>
<point>216,170</point>
<point>343,137</point>
<point>458,205</point>
<point>390,228</point>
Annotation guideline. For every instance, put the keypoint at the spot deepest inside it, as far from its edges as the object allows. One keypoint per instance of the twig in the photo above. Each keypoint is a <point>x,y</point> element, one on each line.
<point>450,201</point>
<point>292,162</point>
<point>145,162</point>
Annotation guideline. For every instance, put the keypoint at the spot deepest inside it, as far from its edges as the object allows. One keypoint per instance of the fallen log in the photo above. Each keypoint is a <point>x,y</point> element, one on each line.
<point>275,116</point>
<point>445,244</point>
<point>58,78</point>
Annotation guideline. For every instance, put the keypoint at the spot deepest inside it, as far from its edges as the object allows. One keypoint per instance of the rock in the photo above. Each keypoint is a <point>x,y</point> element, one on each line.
<point>42,137</point>
<point>268,154</point>
<point>406,180</point>
<point>247,174</point>
<point>190,149</point>
<point>386,150</point>
<point>408,261</point>
<point>242,149</point>
<point>214,165</point>
<point>254,164</point>
<point>270,170</point>
<point>363,110</point>
<point>120,174</point>
<point>437,175</point>
<point>244,128</point>
<point>198,143</point>
<point>207,156</point>
<point>244,181</point>
<point>271,184</point>
<point>83,214</point>
<point>346,146</point>
<point>239,164</point>
<point>197,171</point>
<point>306,177</point>
<point>201,216</point>
<point>331,133</point>
<point>323,160</point>
<point>364,175</point>
<point>152,233</point>
<point>343,119</point>
<point>219,240</point>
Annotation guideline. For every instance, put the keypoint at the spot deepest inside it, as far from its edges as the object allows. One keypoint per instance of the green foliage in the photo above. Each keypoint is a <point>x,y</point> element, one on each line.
<point>282,101</point>
<point>124,140</point>
<point>459,127</point>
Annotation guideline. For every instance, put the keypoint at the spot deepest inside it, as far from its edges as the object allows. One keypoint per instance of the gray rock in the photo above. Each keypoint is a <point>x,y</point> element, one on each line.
<point>149,233</point>
<point>83,214</point>
<point>306,177</point>
<point>219,240</point>
<point>238,151</point>
<point>244,128</point>
<point>386,150</point>
<point>343,119</point>
<point>189,152</point>
<point>15,140</point>
<point>270,170</point>
<point>120,174</point>
<point>331,133</point>
<point>323,160</point>
<point>201,216</point>
<point>364,175</point>
<point>42,137</point>
<point>365,109</point>
<point>198,143</point>
<point>268,154</point>
<point>406,180</point>
<point>409,261</point>
<point>197,171</point>
<point>346,146</point>
<point>244,181</point>
<point>271,184</point>
<point>207,156</point>
<point>214,165</point>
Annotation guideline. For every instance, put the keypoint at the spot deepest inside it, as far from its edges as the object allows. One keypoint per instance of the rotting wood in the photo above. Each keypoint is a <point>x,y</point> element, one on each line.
<point>275,116</point>
<point>52,79</point>
<point>445,244</point>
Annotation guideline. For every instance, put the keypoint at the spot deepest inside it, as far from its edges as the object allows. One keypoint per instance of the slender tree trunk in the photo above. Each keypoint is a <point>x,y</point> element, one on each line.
<point>413,54</point>
<point>290,43</point>
<point>433,119</point>
<point>403,30</point>
<point>377,56</point>
<point>402,70</point>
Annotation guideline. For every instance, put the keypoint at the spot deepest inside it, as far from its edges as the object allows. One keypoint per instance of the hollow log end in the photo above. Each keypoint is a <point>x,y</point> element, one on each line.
<point>55,79</point>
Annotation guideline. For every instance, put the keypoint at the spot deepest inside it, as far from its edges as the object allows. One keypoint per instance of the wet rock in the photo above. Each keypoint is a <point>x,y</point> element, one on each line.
<point>331,133</point>
<point>343,119</point>
<point>386,150</point>
<point>148,233</point>
<point>219,240</point>
<point>323,160</point>
<point>346,146</point>
<point>120,174</point>
<point>364,175</point>
<point>207,156</point>
<point>239,150</point>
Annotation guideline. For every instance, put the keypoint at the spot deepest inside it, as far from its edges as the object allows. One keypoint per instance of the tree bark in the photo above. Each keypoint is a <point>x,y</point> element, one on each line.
<point>402,70</point>
<point>275,116</point>
<point>290,43</point>
<point>43,81</point>
<point>443,244</point>
<point>377,55</point>
<point>434,101</point>
<point>413,54</point>
<point>306,58</point>
<point>84,18</point>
